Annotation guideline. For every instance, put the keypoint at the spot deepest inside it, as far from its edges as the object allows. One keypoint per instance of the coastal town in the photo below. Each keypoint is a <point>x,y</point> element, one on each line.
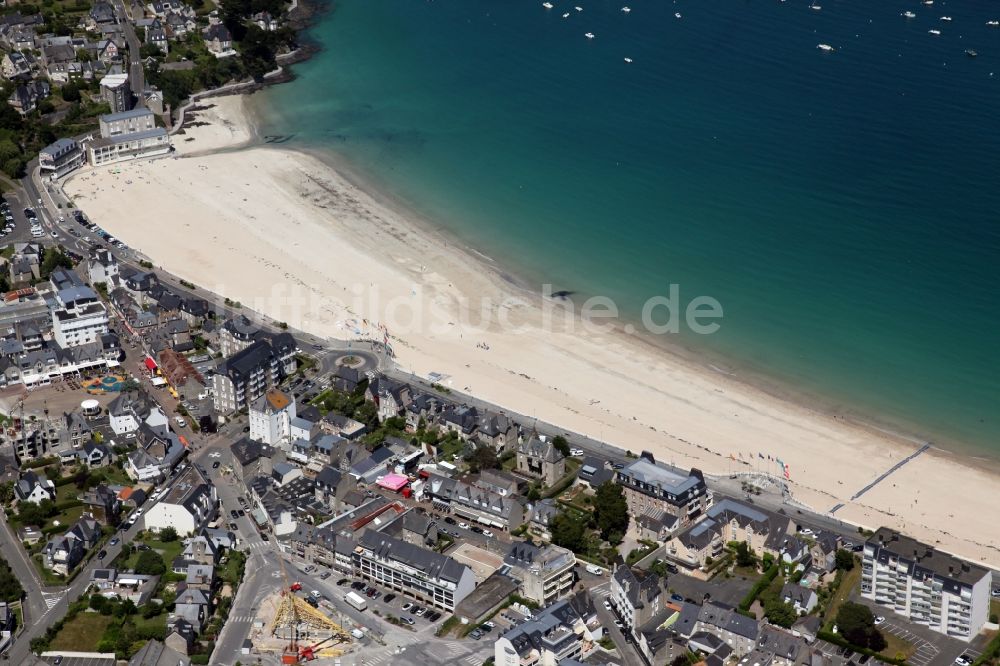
<point>185,480</point>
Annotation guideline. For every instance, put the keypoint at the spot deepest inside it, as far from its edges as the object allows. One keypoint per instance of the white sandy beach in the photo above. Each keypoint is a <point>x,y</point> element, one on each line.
<point>283,233</point>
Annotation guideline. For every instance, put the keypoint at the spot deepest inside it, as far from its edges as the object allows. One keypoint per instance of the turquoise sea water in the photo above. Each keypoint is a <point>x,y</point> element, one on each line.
<point>843,207</point>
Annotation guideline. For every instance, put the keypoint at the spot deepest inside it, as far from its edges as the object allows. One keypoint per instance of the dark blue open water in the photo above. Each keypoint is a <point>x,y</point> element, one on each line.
<point>843,207</point>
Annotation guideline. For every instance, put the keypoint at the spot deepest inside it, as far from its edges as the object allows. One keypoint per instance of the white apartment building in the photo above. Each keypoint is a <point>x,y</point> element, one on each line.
<point>411,570</point>
<point>148,143</point>
<point>929,587</point>
<point>271,418</point>
<point>545,573</point>
<point>79,319</point>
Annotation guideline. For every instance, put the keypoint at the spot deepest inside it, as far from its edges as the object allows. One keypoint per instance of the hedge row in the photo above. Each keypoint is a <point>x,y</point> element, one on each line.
<point>759,587</point>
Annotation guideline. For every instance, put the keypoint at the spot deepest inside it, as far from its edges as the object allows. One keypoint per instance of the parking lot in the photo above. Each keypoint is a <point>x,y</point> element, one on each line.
<point>926,651</point>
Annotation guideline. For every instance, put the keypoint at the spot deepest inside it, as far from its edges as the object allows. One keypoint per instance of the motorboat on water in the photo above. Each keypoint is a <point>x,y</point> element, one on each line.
<point>934,32</point>
<point>993,24</point>
<point>825,47</point>
<point>589,35</point>
<point>946,18</point>
<point>971,53</point>
<point>815,7</point>
<point>566,15</point>
<point>628,60</point>
<point>677,14</point>
<point>908,14</point>
<point>547,5</point>
<point>626,9</point>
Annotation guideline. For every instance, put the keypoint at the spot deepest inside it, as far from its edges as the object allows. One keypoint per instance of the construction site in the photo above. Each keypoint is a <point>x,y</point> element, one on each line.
<point>289,627</point>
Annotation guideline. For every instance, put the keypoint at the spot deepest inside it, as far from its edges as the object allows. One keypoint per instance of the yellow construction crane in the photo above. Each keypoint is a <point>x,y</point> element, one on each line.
<point>293,612</point>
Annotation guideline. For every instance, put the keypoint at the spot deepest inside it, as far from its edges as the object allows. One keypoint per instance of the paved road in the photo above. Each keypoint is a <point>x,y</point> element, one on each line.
<point>137,77</point>
<point>626,649</point>
<point>10,547</point>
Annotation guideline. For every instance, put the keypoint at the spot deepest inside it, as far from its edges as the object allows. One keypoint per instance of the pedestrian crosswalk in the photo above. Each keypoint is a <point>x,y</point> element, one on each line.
<point>245,619</point>
<point>51,599</point>
<point>472,660</point>
<point>256,545</point>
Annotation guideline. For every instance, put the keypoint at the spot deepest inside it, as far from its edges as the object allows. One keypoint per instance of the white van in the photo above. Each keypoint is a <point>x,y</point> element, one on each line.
<point>594,569</point>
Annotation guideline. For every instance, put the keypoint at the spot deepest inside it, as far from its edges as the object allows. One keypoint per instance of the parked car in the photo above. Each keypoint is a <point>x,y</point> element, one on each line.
<point>389,598</point>
<point>879,619</point>
<point>450,520</point>
<point>101,555</point>
<point>407,606</point>
<point>487,533</point>
<point>408,620</point>
<point>342,582</point>
<point>676,597</point>
<point>476,529</point>
<point>963,660</point>
<point>215,465</point>
<point>324,575</point>
<point>476,635</point>
<point>433,616</point>
<point>420,610</point>
<point>464,526</point>
<point>234,514</point>
<point>233,526</point>
<point>115,542</point>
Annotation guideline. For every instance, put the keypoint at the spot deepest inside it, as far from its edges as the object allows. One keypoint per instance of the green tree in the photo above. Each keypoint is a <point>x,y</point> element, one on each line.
<point>561,445</point>
<point>844,559</point>
<point>611,510</point>
<point>70,92</point>
<point>10,586</point>
<point>52,259</point>
<point>482,457</point>
<point>856,623</point>
<point>6,492</point>
<point>570,532</point>
<point>150,563</point>
<point>744,555</point>
<point>780,613</point>
<point>168,534</point>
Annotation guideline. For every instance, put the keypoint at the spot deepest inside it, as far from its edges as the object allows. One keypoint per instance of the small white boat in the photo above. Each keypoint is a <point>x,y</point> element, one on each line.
<point>566,15</point>
<point>928,2</point>
<point>578,8</point>
<point>677,14</point>
<point>993,24</point>
<point>547,5</point>
<point>946,18</point>
<point>908,14</point>
<point>626,9</point>
<point>628,60</point>
<point>825,47</point>
<point>589,35</point>
<point>934,32</point>
<point>815,7</point>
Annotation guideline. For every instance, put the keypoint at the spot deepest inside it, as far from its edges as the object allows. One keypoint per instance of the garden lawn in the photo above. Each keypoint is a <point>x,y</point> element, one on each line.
<point>850,580</point>
<point>82,633</point>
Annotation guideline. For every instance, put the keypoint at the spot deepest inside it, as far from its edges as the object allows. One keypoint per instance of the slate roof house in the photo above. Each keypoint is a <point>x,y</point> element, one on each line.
<point>34,488</point>
<point>541,459</point>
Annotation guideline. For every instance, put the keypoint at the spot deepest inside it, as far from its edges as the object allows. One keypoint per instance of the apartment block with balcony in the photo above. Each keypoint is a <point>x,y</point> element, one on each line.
<point>942,592</point>
<point>545,573</point>
<point>636,597</point>
<point>244,378</point>
<point>423,574</point>
<point>654,489</point>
